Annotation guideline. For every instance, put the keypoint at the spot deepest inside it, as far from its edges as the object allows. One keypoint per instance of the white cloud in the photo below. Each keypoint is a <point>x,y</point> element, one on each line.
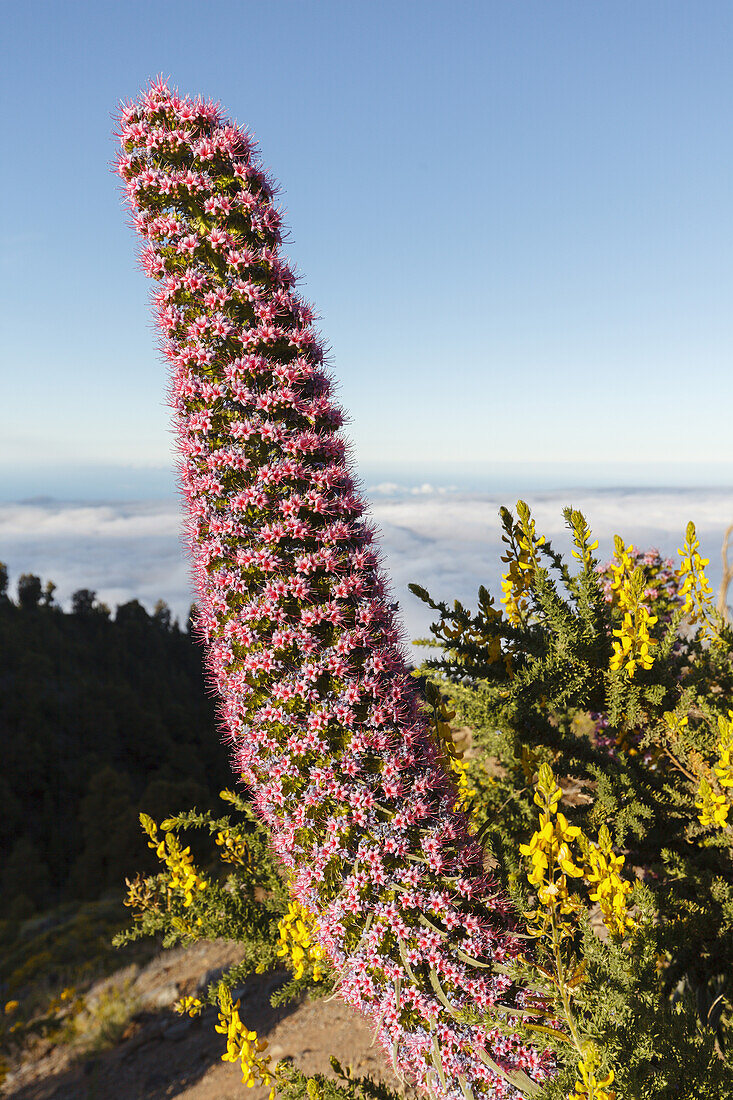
<point>384,488</point>
<point>120,550</point>
<point>449,542</point>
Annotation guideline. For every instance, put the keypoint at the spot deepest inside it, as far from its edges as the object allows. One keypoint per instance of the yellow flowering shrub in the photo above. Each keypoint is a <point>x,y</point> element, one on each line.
<point>482,634</point>
<point>535,687</point>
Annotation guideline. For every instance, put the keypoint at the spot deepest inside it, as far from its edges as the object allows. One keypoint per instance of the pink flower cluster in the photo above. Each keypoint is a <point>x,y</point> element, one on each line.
<point>321,711</point>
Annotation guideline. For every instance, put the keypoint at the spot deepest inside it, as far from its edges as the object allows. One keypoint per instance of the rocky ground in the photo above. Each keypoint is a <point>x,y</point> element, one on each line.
<point>128,1044</point>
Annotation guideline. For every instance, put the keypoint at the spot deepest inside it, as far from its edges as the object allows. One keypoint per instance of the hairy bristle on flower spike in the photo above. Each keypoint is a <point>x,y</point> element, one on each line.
<point>317,701</point>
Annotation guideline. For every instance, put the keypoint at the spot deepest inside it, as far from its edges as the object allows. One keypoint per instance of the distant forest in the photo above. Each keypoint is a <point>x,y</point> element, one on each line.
<point>101,716</point>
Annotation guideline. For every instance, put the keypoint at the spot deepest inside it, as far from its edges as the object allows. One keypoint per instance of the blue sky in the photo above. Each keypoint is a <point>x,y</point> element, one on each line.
<point>515,220</point>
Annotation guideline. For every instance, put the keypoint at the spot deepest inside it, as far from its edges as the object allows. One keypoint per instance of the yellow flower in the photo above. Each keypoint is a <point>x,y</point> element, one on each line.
<point>563,830</point>
<point>581,538</point>
<point>440,720</point>
<point>632,644</point>
<point>183,876</point>
<point>602,871</point>
<point>11,1007</point>
<point>622,566</point>
<point>724,765</point>
<point>550,852</point>
<point>296,931</point>
<point>243,1046</point>
<point>552,861</point>
<point>190,1005</point>
<point>233,847</point>
<point>589,1087</point>
<point>695,586</point>
<point>714,808</point>
<point>516,584</point>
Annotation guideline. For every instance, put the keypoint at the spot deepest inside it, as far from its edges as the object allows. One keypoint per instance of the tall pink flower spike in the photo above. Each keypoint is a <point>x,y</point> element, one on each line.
<point>300,639</point>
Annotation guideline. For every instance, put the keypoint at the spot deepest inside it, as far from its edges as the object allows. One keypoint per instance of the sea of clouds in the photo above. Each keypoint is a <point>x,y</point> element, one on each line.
<point>447,540</point>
